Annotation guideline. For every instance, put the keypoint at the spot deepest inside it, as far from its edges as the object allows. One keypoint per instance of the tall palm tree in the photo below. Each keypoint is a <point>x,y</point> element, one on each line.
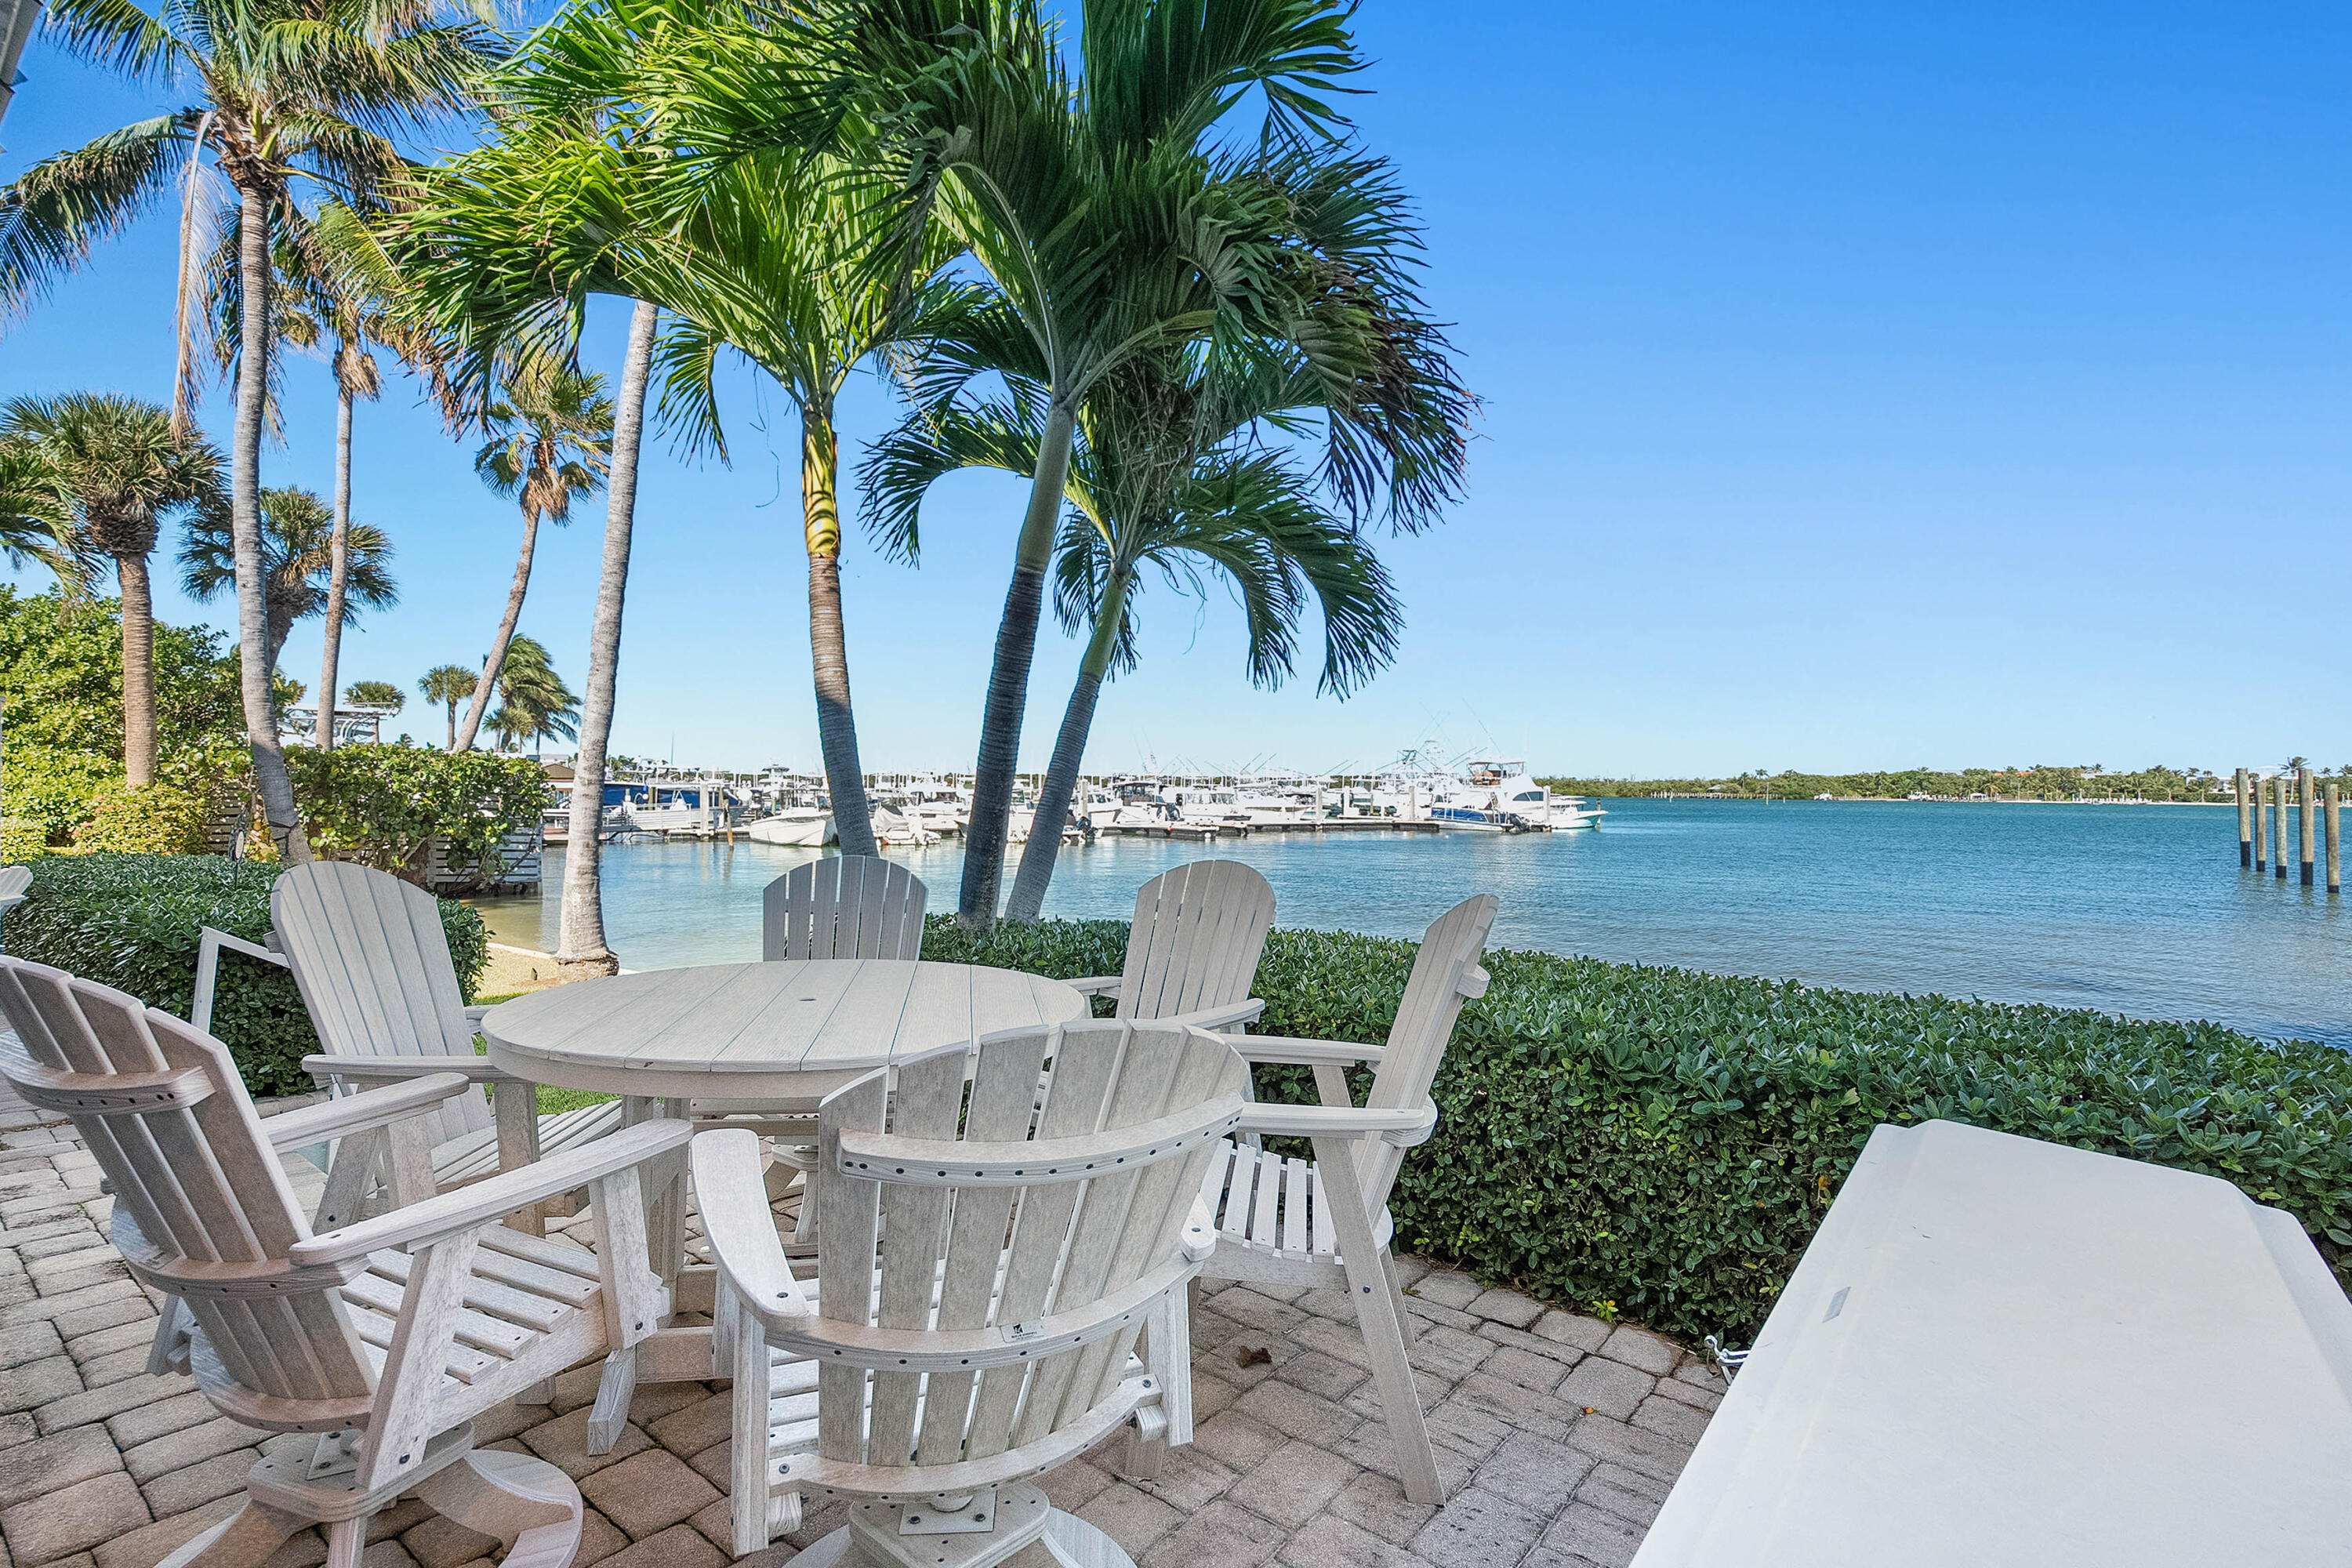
<point>281,93</point>
<point>448,684</point>
<point>1167,471</point>
<point>552,442</point>
<point>1108,219</point>
<point>533,702</point>
<point>298,533</point>
<point>122,469</point>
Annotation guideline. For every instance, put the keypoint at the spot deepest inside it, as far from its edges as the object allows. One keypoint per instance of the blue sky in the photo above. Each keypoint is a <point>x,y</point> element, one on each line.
<point>1864,386</point>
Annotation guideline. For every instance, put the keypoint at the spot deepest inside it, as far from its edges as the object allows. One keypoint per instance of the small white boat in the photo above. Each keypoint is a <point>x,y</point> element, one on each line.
<point>799,827</point>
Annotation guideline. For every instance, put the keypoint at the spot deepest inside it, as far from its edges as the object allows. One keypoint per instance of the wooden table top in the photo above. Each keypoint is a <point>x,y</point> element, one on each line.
<point>761,1031</point>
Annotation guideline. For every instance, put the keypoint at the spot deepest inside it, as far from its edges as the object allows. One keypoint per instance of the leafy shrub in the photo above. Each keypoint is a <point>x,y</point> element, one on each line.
<point>130,922</point>
<point>1668,1139</point>
<point>382,805</point>
<point>159,819</point>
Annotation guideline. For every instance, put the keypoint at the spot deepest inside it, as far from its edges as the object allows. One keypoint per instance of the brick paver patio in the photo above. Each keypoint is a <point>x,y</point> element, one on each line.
<point>1558,1434</point>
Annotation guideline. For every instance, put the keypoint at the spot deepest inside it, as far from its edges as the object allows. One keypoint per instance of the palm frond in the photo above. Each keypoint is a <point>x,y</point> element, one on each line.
<point>61,207</point>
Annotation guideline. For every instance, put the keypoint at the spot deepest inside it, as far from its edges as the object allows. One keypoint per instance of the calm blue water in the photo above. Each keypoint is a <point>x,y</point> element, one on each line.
<point>2134,909</point>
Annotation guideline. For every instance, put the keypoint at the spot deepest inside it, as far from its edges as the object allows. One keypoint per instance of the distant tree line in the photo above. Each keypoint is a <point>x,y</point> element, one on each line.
<point>2041,782</point>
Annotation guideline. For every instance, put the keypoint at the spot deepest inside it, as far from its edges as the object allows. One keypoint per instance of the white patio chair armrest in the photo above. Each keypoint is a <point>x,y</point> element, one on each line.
<point>732,1196</point>
<point>1275,1050</point>
<point>395,1069</point>
<point>357,1112</point>
<point>1216,1018</point>
<point>474,1014</point>
<point>209,942</point>
<point>1097,986</point>
<point>470,1207</point>
<point>1403,1127</point>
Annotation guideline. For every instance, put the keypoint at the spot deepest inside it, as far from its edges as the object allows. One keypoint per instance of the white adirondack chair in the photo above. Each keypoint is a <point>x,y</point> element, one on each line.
<point>373,964</point>
<point>844,906</point>
<point>986,1265</point>
<point>1193,949</point>
<point>387,1336</point>
<point>1325,1222</point>
<point>14,881</point>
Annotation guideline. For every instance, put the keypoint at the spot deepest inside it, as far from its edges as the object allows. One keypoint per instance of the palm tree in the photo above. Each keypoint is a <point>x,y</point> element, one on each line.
<point>533,701</point>
<point>380,694</point>
<point>297,562</point>
<point>283,92</point>
<point>1108,221</point>
<point>35,518</point>
<point>448,684</point>
<point>121,468</point>
<point>1166,472</point>
<point>552,442</point>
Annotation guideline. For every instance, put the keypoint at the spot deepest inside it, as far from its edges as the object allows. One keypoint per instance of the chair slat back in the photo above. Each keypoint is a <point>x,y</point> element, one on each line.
<point>14,880</point>
<point>1197,933</point>
<point>844,906</point>
<point>373,964</point>
<point>199,1198</point>
<point>1446,974</point>
<point>1002,1253</point>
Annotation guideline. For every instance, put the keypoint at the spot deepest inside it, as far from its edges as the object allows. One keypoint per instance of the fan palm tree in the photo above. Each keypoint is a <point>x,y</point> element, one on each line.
<point>1166,472</point>
<point>297,562</point>
<point>35,518</point>
<point>552,443</point>
<point>122,469</point>
<point>281,93</point>
<point>380,694</point>
<point>533,702</point>
<point>448,684</point>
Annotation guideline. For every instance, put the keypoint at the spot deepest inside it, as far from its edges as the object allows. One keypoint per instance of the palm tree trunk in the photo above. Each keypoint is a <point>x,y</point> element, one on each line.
<point>836,720</point>
<point>1039,855</point>
<point>339,556</point>
<point>1008,678</point>
<point>490,666</point>
<point>269,780</point>
<point>138,672</point>
<point>453,724</point>
<point>582,946</point>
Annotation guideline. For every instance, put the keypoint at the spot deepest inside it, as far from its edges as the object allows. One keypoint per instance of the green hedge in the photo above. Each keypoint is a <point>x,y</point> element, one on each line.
<point>130,922</point>
<point>1662,1142</point>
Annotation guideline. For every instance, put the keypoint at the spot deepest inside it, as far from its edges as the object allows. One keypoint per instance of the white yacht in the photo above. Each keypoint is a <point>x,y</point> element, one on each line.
<point>1493,795</point>
<point>796,827</point>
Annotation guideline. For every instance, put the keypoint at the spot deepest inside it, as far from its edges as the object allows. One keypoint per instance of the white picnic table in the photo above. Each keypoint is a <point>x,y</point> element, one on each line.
<point>782,1033</point>
<point>2002,1351</point>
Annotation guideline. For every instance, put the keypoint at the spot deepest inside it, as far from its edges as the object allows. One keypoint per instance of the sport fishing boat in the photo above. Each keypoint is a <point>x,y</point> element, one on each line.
<point>1492,795</point>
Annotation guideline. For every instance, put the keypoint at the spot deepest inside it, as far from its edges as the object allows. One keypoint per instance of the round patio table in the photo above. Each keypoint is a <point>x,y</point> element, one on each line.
<point>770,1034</point>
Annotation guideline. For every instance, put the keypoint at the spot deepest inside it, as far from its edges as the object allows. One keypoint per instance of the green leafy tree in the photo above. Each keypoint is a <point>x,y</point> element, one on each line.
<point>122,471</point>
<point>533,702</point>
<point>552,442</point>
<point>297,561</point>
<point>61,681</point>
<point>281,94</point>
<point>448,684</point>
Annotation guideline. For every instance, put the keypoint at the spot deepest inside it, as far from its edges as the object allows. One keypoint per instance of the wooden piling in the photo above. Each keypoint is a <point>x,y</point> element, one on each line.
<point>2334,839</point>
<point>2306,803</point>
<point>2261,825</point>
<point>2278,844</point>
<point>2245,821</point>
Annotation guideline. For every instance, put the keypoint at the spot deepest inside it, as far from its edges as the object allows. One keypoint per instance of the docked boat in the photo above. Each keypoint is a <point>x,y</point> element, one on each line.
<point>1492,795</point>
<point>798,826</point>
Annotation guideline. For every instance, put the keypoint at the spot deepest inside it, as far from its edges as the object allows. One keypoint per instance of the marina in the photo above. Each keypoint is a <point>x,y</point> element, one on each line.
<point>2120,908</point>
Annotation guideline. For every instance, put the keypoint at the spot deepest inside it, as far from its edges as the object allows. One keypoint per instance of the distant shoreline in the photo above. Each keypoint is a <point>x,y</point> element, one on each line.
<point>1905,800</point>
